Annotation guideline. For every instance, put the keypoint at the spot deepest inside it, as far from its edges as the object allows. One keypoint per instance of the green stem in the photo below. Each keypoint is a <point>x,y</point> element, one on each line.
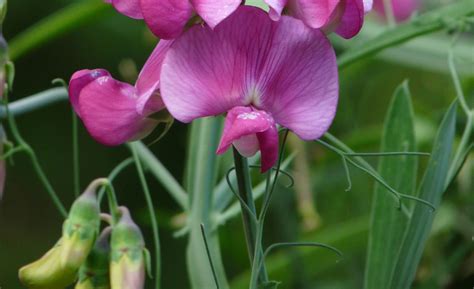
<point>34,102</point>
<point>114,173</point>
<point>251,229</point>
<point>75,155</point>
<point>56,25</point>
<point>112,199</point>
<point>36,165</point>
<point>153,218</point>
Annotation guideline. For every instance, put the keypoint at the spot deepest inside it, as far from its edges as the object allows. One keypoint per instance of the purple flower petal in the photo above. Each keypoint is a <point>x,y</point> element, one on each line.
<point>402,9</point>
<point>148,81</point>
<point>251,130</point>
<point>276,8</point>
<point>352,19</point>
<point>166,18</point>
<point>284,68</point>
<point>315,14</point>
<point>80,79</point>
<point>368,5</point>
<point>108,109</point>
<point>130,8</point>
<point>214,11</point>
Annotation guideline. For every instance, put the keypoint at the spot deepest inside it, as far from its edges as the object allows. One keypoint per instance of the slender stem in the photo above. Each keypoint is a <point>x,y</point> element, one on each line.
<point>113,203</point>
<point>151,210</point>
<point>162,174</point>
<point>75,155</point>
<point>36,165</point>
<point>34,102</point>
<point>252,236</point>
<point>460,152</point>
<point>114,173</point>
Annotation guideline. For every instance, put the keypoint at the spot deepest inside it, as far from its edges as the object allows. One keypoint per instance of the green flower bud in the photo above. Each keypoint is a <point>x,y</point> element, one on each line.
<point>94,274</point>
<point>127,268</point>
<point>47,272</point>
<point>81,227</point>
<point>58,268</point>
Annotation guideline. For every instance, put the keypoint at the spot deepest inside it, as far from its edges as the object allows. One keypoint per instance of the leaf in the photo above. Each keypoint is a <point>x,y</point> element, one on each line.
<point>431,189</point>
<point>201,175</point>
<point>387,222</point>
<point>442,18</point>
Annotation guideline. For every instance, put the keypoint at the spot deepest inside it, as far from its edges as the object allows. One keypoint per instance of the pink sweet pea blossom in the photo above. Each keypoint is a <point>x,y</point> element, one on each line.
<point>115,112</point>
<point>402,9</point>
<point>345,17</point>
<point>168,18</point>
<point>261,72</point>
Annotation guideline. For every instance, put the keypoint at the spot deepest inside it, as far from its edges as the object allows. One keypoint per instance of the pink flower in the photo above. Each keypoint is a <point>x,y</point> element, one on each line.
<point>402,9</point>
<point>115,112</point>
<point>168,18</point>
<point>261,72</point>
<point>345,17</point>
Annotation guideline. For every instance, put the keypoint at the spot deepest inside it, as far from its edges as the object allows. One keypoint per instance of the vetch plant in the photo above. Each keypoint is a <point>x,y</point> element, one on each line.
<point>245,78</point>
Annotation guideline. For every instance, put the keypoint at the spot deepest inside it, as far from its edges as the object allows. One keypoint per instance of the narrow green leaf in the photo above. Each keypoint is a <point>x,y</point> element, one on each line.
<point>201,175</point>
<point>387,222</point>
<point>431,189</point>
<point>442,18</point>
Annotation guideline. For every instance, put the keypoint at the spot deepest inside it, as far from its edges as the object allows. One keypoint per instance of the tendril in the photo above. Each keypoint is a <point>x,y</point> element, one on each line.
<point>242,202</point>
<point>287,174</point>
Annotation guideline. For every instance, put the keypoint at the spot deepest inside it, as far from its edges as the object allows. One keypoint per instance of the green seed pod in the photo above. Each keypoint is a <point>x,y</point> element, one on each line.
<point>58,268</point>
<point>127,268</point>
<point>94,274</point>
<point>47,272</point>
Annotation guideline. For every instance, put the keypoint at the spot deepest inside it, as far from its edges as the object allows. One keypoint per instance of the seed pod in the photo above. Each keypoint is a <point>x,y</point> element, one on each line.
<point>58,268</point>
<point>127,268</point>
<point>94,274</point>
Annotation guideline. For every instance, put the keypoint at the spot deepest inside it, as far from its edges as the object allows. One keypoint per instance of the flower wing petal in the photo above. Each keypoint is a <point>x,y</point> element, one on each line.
<point>108,110</point>
<point>148,82</point>
<point>214,11</point>
<point>166,18</point>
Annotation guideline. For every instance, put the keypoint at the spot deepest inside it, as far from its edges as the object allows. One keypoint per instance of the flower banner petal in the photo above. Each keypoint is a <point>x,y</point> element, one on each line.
<point>80,79</point>
<point>299,82</point>
<point>207,72</point>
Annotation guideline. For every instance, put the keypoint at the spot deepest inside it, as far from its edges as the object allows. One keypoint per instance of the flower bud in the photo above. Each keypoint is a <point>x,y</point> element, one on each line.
<point>94,274</point>
<point>58,268</point>
<point>127,268</point>
<point>47,272</point>
<point>81,227</point>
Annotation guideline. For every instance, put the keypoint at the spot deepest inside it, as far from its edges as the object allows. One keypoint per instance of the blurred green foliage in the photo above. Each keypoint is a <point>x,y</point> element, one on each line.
<point>29,223</point>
